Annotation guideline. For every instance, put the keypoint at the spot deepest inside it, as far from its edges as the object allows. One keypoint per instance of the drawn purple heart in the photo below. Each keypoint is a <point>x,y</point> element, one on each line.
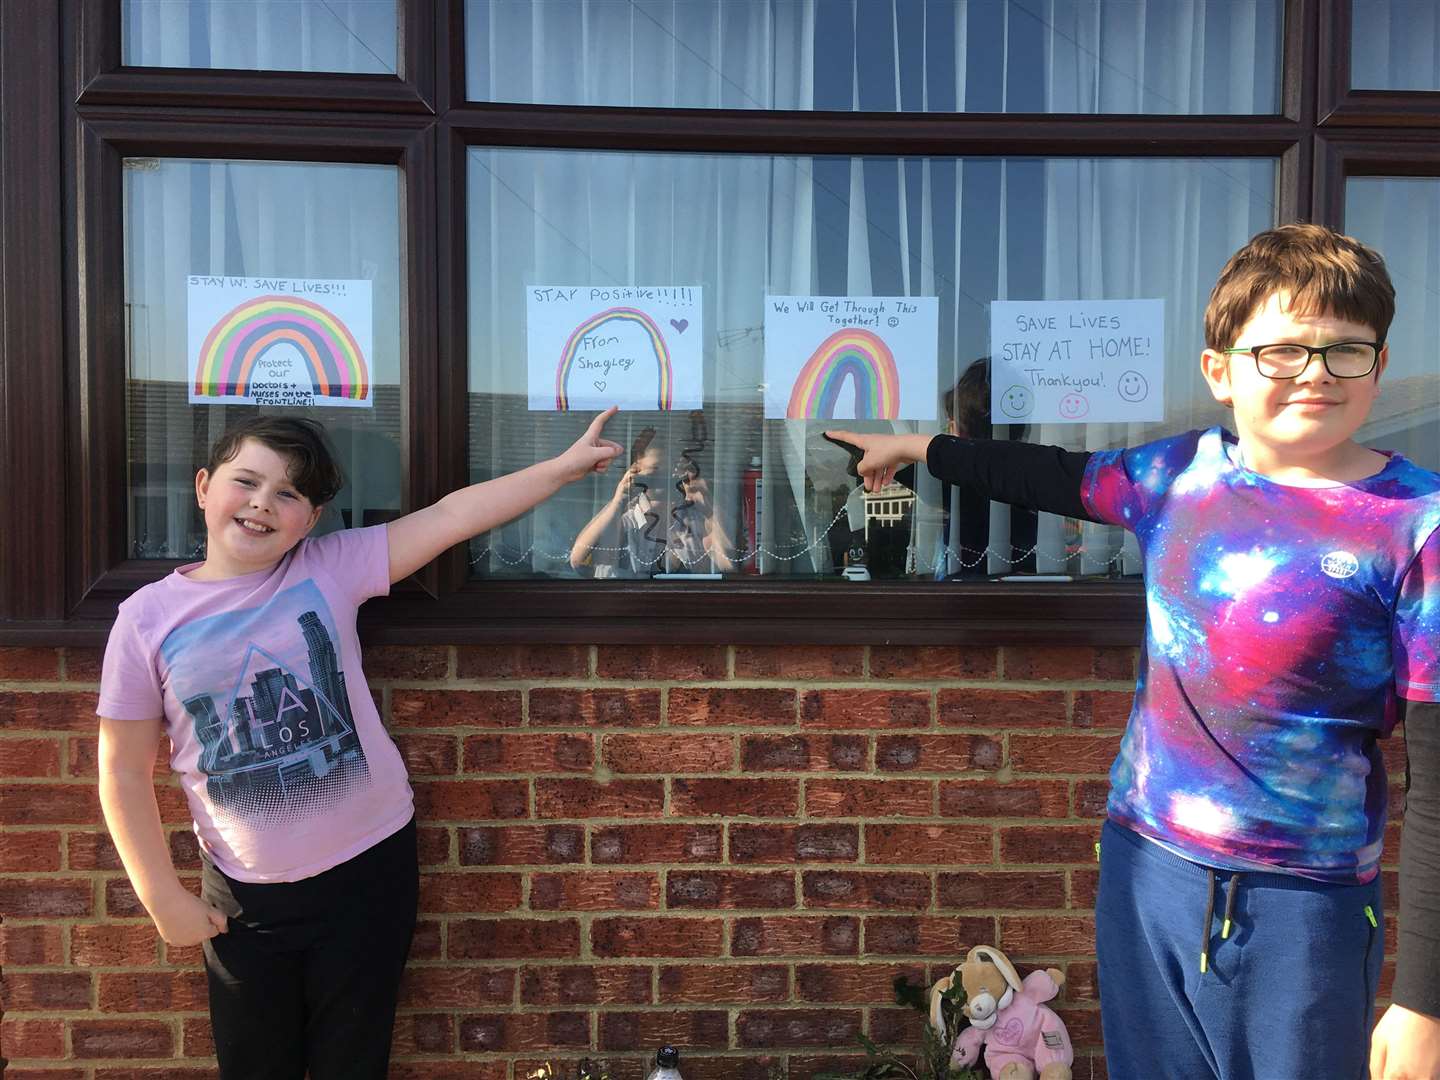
<point>680,325</point>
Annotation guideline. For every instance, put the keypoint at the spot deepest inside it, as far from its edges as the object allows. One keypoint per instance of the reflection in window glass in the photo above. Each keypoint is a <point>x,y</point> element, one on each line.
<point>351,36</point>
<point>708,487</point>
<point>1400,216</point>
<point>324,239</point>
<point>1041,56</point>
<point>1395,45</point>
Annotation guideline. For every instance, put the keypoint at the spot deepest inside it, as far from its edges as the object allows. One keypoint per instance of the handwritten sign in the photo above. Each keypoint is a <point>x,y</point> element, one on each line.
<point>590,347</point>
<point>1077,361</point>
<point>851,357</point>
<point>279,341</point>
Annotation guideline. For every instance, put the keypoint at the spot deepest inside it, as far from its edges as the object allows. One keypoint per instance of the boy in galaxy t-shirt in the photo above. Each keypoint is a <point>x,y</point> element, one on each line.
<point>1293,598</point>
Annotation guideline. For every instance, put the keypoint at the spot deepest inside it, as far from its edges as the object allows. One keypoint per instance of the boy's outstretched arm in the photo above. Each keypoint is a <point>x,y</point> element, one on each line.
<point>417,538</point>
<point>1406,1043</point>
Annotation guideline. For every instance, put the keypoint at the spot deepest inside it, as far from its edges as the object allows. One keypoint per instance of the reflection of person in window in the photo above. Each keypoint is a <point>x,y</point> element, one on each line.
<point>655,523</point>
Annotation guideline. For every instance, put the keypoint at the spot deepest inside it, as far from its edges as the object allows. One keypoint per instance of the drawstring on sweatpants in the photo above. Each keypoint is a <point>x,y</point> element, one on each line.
<point>1210,914</point>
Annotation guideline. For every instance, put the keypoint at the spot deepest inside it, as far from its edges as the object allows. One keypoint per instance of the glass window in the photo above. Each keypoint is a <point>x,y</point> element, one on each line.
<point>352,36</point>
<point>1400,216</point>
<point>257,285</point>
<point>1395,45</point>
<point>1037,56</point>
<point>709,238</point>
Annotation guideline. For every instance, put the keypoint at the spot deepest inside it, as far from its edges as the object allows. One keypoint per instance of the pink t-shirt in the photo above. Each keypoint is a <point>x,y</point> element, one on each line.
<point>279,748</point>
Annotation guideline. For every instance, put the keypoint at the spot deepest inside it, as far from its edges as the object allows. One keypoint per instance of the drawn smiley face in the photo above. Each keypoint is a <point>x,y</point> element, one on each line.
<point>1017,402</point>
<point>1133,386</point>
<point>1073,406</point>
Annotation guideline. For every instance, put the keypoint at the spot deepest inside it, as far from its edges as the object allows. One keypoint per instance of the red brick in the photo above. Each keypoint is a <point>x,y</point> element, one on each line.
<point>896,1027</point>
<point>49,711</point>
<point>30,946</point>
<point>1081,983</point>
<point>82,664</point>
<point>928,845</point>
<point>428,755</point>
<point>121,901</point>
<point>937,753</point>
<point>46,991</point>
<point>655,844</point>
<point>804,753</point>
<point>693,706</point>
<point>948,937</point>
<point>522,661</point>
<point>553,706</point>
<point>656,936</point>
<point>729,889</point>
<point>521,845</point>
<point>976,707</point>
<point>530,753</point>
<point>715,984</point>
<point>1091,797</point>
<point>865,708</point>
<point>29,664</point>
<point>786,935</point>
<point>1102,708</point>
<point>797,1027</point>
<point>92,851</point>
<point>432,845</point>
<point>790,844</point>
<point>461,800</point>
<point>410,663</point>
<point>40,1040</point>
<point>113,944</point>
<point>30,758</point>
<point>732,798</point>
<point>121,1039</point>
<point>427,944</point>
<point>932,662</point>
<point>454,987</point>
<point>39,898</point>
<point>853,984</point>
<point>1048,662</point>
<point>578,798</point>
<point>498,1032</point>
<point>513,939</point>
<point>858,889</point>
<point>1393,752</point>
<point>989,890</point>
<point>14,1073</point>
<point>49,804</point>
<point>594,891</point>
<point>1048,844</point>
<point>634,662</point>
<point>800,663</point>
<point>1116,663</point>
<point>1084,885</point>
<point>449,1070</point>
<point>992,798</point>
<point>29,852</point>
<point>455,708</point>
<point>684,752</point>
<point>585,985</point>
<point>422,1033</point>
<point>1048,935</point>
<point>153,991</point>
<point>869,798</point>
<point>675,1027</point>
<point>1074,754</point>
<point>450,891</point>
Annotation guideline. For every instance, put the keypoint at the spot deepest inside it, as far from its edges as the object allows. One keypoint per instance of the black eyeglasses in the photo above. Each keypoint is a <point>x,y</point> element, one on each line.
<point>1342,359</point>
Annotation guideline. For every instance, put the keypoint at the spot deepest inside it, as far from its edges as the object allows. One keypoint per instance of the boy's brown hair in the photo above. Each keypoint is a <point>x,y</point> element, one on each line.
<point>299,440</point>
<point>1320,269</point>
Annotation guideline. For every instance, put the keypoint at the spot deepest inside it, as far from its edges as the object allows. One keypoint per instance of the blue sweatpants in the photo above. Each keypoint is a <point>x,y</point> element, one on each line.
<point>1288,994</point>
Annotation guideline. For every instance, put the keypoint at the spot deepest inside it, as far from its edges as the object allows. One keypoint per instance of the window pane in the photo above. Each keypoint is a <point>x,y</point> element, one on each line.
<point>720,233</point>
<point>295,267</point>
<point>1395,45</point>
<point>1042,56</point>
<point>352,36</point>
<point>1400,216</point>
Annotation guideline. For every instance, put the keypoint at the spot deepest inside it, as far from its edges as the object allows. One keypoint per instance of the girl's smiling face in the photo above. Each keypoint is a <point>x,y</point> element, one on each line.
<point>254,514</point>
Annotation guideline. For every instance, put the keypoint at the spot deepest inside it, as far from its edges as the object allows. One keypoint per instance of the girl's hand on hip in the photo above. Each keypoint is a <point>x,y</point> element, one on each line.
<point>1405,1046</point>
<point>184,919</point>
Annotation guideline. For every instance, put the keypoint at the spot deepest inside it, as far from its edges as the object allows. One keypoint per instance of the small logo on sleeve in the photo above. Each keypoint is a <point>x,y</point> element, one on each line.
<point>1340,564</point>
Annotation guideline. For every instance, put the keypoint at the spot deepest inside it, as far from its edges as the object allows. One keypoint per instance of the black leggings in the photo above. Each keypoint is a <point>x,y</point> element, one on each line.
<point>308,974</point>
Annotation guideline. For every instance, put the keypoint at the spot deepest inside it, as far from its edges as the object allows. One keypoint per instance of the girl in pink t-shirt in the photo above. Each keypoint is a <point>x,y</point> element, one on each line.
<point>249,662</point>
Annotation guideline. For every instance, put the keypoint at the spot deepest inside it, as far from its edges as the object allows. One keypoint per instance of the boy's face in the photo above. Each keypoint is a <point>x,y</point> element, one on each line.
<point>1300,418</point>
<point>253,513</point>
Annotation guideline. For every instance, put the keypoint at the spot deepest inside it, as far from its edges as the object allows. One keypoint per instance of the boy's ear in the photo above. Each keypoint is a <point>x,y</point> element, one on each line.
<point>202,485</point>
<point>1382,361</point>
<point>1216,368</point>
<point>315,512</point>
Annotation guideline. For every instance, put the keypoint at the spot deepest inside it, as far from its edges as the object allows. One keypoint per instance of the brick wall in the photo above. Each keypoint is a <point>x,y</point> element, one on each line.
<point>731,849</point>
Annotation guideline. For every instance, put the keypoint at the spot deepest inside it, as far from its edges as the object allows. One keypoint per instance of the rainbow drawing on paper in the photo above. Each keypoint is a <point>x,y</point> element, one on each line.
<point>247,332</point>
<point>666,385</point>
<point>854,354</point>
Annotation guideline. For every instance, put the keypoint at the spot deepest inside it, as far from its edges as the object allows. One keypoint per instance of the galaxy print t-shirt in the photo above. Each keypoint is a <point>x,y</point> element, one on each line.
<point>273,731</point>
<point>1281,624</point>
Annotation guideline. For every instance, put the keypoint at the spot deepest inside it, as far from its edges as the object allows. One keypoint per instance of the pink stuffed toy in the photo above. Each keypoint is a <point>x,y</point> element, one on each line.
<point>1008,1019</point>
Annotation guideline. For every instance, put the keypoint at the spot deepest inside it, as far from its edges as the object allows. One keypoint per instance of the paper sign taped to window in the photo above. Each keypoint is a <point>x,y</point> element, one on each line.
<point>1077,361</point>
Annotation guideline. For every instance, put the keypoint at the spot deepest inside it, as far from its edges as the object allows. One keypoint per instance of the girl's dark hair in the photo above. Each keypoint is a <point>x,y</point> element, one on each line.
<point>299,440</point>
